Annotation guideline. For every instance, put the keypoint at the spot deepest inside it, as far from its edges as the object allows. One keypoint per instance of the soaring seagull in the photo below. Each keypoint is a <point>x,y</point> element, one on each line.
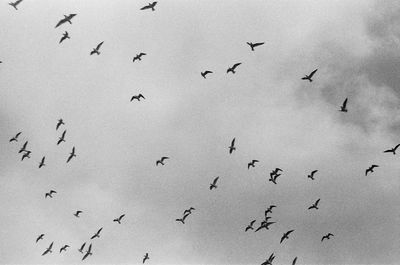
<point>269,210</point>
<point>286,235</point>
<point>64,37</point>
<point>213,185</point>
<point>182,220</point>
<point>64,248</point>
<point>149,6</point>
<point>203,74</point>
<point>62,138</point>
<point>97,49</point>
<point>138,57</point>
<point>71,155</point>
<point>269,260</point>
<point>15,4</point>
<point>48,250</point>
<point>264,224</point>
<point>161,161</point>
<point>88,252</point>
<point>343,108</point>
<point>232,146</point>
<point>81,248</point>
<point>252,163</point>
<point>50,194</point>
<point>137,97</point>
<point>250,226</point>
<point>42,164</point>
<point>118,220</point>
<point>327,236</point>
<point>97,233</point>
<point>308,77</point>
<point>370,169</point>
<point>23,148</point>
<point>189,211</point>
<point>146,257</point>
<point>77,213</point>
<point>253,45</point>
<point>39,237</point>
<point>232,69</point>
<point>59,123</point>
<point>15,138</point>
<point>65,19</point>
<point>314,206</point>
<point>392,150</point>
<point>311,176</point>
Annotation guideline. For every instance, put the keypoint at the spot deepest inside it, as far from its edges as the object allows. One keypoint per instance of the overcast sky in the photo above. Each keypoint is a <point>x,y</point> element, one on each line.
<point>276,117</point>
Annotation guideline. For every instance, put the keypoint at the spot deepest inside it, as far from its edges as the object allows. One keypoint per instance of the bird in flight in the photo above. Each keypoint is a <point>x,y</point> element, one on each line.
<point>189,211</point>
<point>370,169</point>
<point>64,37</point>
<point>264,224</point>
<point>138,57</point>
<point>15,4</point>
<point>62,138</point>
<point>97,49</point>
<point>88,252</point>
<point>286,235</point>
<point>294,261</point>
<point>64,248</point>
<point>118,220</point>
<point>269,260</point>
<point>214,184</point>
<point>48,250</point>
<point>15,138</point>
<point>59,123</point>
<point>81,248</point>
<point>77,213</point>
<point>39,237</point>
<point>161,161</point>
<point>50,194</point>
<point>273,177</point>
<point>41,164</point>
<point>149,6</point>
<point>72,154</point>
<point>327,236</point>
<point>311,176</point>
<point>250,226</point>
<point>343,108</point>
<point>203,74</point>
<point>183,218</point>
<point>232,69</point>
<point>252,163</point>
<point>97,233</point>
<point>23,148</point>
<point>146,257</point>
<point>232,147</point>
<point>392,150</point>
<point>26,154</point>
<point>253,45</point>
<point>314,206</point>
<point>308,77</point>
<point>269,210</point>
<point>138,97</point>
<point>65,19</point>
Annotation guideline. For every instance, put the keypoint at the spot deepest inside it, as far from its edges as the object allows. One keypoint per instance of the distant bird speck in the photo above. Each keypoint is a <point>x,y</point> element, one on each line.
<point>308,77</point>
<point>64,37</point>
<point>213,185</point>
<point>50,194</point>
<point>311,176</point>
<point>149,6</point>
<point>88,252</point>
<point>48,250</point>
<point>62,138</point>
<point>253,45</point>
<point>232,146</point>
<point>327,236</point>
<point>71,155</point>
<point>252,163</point>
<point>77,213</point>
<point>370,169</point>
<point>97,49</point>
<point>118,220</point>
<point>66,19</point>
<point>146,257</point>
<point>161,161</point>
<point>138,57</point>
<point>15,138</point>
<point>343,108</point>
<point>314,206</point>
<point>39,237</point>
<point>203,74</point>
<point>42,164</point>
<point>232,69</point>
<point>137,97</point>
<point>15,4</point>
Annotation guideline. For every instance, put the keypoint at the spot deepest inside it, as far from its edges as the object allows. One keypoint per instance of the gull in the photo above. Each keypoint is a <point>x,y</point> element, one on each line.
<point>269,260</point>
<point>328,236</point>
<point>253,45</point>
<point>214,184</point>
<point>232,69</point>
<point>59,123</point>
<point>183,218</point>
<point>88,252</point>
<point>62,138</point>
<point>250,226</point>
<point>294,261</point>
<point>77,213</point>
<point>81,248</point>
<point>273,177</point>
<point>370,169</point>
<point>72,154</point>
<point>203,74</point>
<point>252,163</point>
<point>269,210</point>
<point>97,49</point>
<point>39,237</point>
<point>64,248</point>
<point>149,6</point>
<point>311,176</point>
<point>26,154</point>
<point>343,107</point>
<point>48,250</point>
<point>15,4</point>
<point>308,77</point>
<point>65,19</point>
<point>138,57</point>
<point>65,36</point>
<point>23,148</point>
<point>314,206</point>
<point>118,220</point>
<point>41,164</point>
<point>15,138</point>
<point>97,233</point>
<point>50,194</point>
<point>232,147</point>
<point>286,235</point>
<point>138,97</point>
<point>189,210</point>
<point>161,161</point>
<point>392,150</point>
<point>145,257</point>
<point>264,224</point>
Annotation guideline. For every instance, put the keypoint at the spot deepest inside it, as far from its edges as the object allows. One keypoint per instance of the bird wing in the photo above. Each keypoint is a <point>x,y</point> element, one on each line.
<point>258,44</point>
<point>98,232</point>
<point>18,134</point>
<point>122,216</point>
<point>62,21</point>
<point>313,172</point>
<point>63,134</point>
<point>252,222</point>
<point>233,142</point>
<point>236,65</point>
<point>289,232</point>
<point>141,54</point>
<point>146,7</point>
<point>312,73</point>
<point>215,180</point>
<point>294,261</point>
<point>344,103</point>
<point>141,96</point>
<point>396,146</point>
<point>99,45</point>
<point>388,151</point>
<point>84,257</point>
<point>282,238</point>
<point>73,150</point>
<point>90,248</point>
<point>316,203</point>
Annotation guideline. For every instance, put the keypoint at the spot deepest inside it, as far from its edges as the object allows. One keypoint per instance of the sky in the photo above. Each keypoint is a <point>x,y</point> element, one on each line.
<point>276,118</point>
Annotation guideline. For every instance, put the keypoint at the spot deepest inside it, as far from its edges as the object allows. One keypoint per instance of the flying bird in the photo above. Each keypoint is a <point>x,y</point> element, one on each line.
<point>273,177</point>
<point>97,49</point>
<point>64,248</point>
<point>59,123</point>
<point>149,6</point>
<point>314,206</point>
<point>97,233</point>
<point>327,236</point>
<point>65,36</point>
<point>23,148</point>
<point>264,224</point>
<point>65,19</point>
<point>118,220</point>
<point>81,248</point>
<point>250,226</point>
<point>308,77</point>
<point>77,213</point>
<point>370,169</point>
<point>50,194</point>
<point>343,107</point>
<point>15,138</point>
<point>48,250</point>
<point>183,218</point>
<point>286,235</point>
<point>189,211</point>
<point>146,257</point>
<point>42,164</point>
<point>62,138</point>
<point>269,260</point>
<point>72,154</point>
<point>15,4</point>
<point>161,161</point>
<point>138,97</point>
<point>203,74</point>
<point>393,150</point>
<point>252,163</point>
<point>214,184</point>
<point>253,45</point>
<point>232,147</point>
<point>269,210</point>
<point>39,237</point>
<point>26,155</point>
<point>138,57</point>
<point>311,176</point>
<point>232,69</point>
<point>88,252</point>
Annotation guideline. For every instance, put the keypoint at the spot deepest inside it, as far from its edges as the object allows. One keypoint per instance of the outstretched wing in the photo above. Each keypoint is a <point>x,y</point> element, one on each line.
<point>146,7</point>
<point>344,103</point>
<point>62,21</point>
<point>236,65</point>
<point>99,45</point>
<point>258,44</point>
<point>312,73</point>
<point>215,180</point>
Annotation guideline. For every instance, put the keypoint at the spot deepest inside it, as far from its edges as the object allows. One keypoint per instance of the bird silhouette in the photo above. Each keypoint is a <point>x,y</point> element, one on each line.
<point>392,150</point>
<point>189,211</point>
<point>286,235</point>
<point>264,224</point>
<point>82,247</point>
<point>71,155</point>
<point>97,233</point>
<point>213,185</point>
<point>48,250</point>
<point>294,261</point>
<point>250,226</point>
<point>42,164</point>
<point>308,77</point>
<point>15,138</point>
<point>253,45</point>
<point>59,123</point>
<point>26,155</point>
<point>269,209</point>
<point>232,146</point>
<point>314,206</point>
<point>88,252</point>
<point>118,220</point>
<point>182,220</point>
<point>149,6</point>
<point>64,248</point>
<point>137,97</point>
<point>203,74</point>
<point>252,163</point>
<point>161,161</point>
<point>62,138</point>
<point>39,237</point>
<point>97,49</point>
<point>138,57</point>
<point>273,176</point>
<point>77,213</point>
<point>311,176</point>
<point>232,69</point>
<point>269,260</point>
<point>343,108</point>
<point>15,4</point>
<point>23,148</point>
<point>146,257</point>
<point>66,19</point>
<point>327,236</point>
<point>64,37</point>
<point>50,194</point>
<point>370,169</point>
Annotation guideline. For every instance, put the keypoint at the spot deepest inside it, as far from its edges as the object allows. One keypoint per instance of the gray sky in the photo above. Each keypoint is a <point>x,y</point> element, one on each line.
<point>276,118</point>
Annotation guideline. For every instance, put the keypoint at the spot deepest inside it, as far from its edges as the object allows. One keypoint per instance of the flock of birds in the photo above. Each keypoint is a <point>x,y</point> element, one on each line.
<point>265,223</point>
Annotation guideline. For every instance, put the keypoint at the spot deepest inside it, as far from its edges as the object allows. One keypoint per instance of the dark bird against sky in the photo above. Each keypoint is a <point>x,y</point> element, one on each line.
<point>138,57</point>
<point>308,77</point>
<point>118,220</point>
<point>97,49</point>
<point>253,45</point>
<point>42,164</point>
<point>59,123</point>
<point>232,146</point>
<point>250,226</point>
<point>77,213</point>
<point>50,194</point>
<point>15,4</point>
<point>286,235</point>
<point>213,185</point>
<point>64,37</point>
<point>88,252</point>
<point>64,248</point>
<point>62,138</point>
<point>327,236</point>
<point>97,234</point>
<point>232,69</point>
<point>71,155</point>
<point>252,163</point>
<point>40,237</point>
<point>137,97</point>
<point>311,176</point>
<point>314,206</point>
<point>392,150</point>
<point>203,74</point>
<point>370,169</point>
<point>149,6</point>
<point>15,138</point>
<point>343,108</point>
<point>48,250</point>
<point>161,161</point>
<point>66,19</point>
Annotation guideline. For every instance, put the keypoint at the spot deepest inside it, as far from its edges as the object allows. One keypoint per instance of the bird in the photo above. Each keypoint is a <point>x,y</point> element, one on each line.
<point>161,161</point>
<point>66,19</point>
<point>39,237</point>
<point>88,252</point>
<point>273,177</point>
<point>232,69</point>
<point>203,74</point>
<point>97,233</point>
<point>118,220</point>
<point>183,218</point>
<point>275,171</point>
<point>26,155</point>
<point>23,148</point>
<point>59,123</point>
<point>294,261</point>
<point>311,176</point>
<point>149,6</point>
<point>138,97</point>
<point>250,226</point>
<point>62,138</point>
<point>48,250</point>
<point>15,4</point>
<point>138,57</point>
<point>50,194</point>
<point>269,260</point>
<point>81,248</point>
<point>370,169</point>
<point>64,248</point>
<point>264,224</point>
<point>214,184</point>
<point>392,150</point>
<point>286,235</point>
<point>41,164</point>
<point>343,107</point>
<point>146,257</point>
<point>314,206</point>
<point>253,45</point>
<point>72,154</point>
<point>97,49</point>
<point>252,163</point>
<point>327,236</point>
<point>77,213</point>
<point>308,77</point>
<point>269,210</point>
<point>232,146</point>
<point>15,138</point>
<point>189,211</point>
<point>65,36</point>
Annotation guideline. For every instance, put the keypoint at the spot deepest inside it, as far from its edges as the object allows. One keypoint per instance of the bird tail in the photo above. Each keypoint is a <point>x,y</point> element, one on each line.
<point>310,80</point>
<point>69,21</point>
